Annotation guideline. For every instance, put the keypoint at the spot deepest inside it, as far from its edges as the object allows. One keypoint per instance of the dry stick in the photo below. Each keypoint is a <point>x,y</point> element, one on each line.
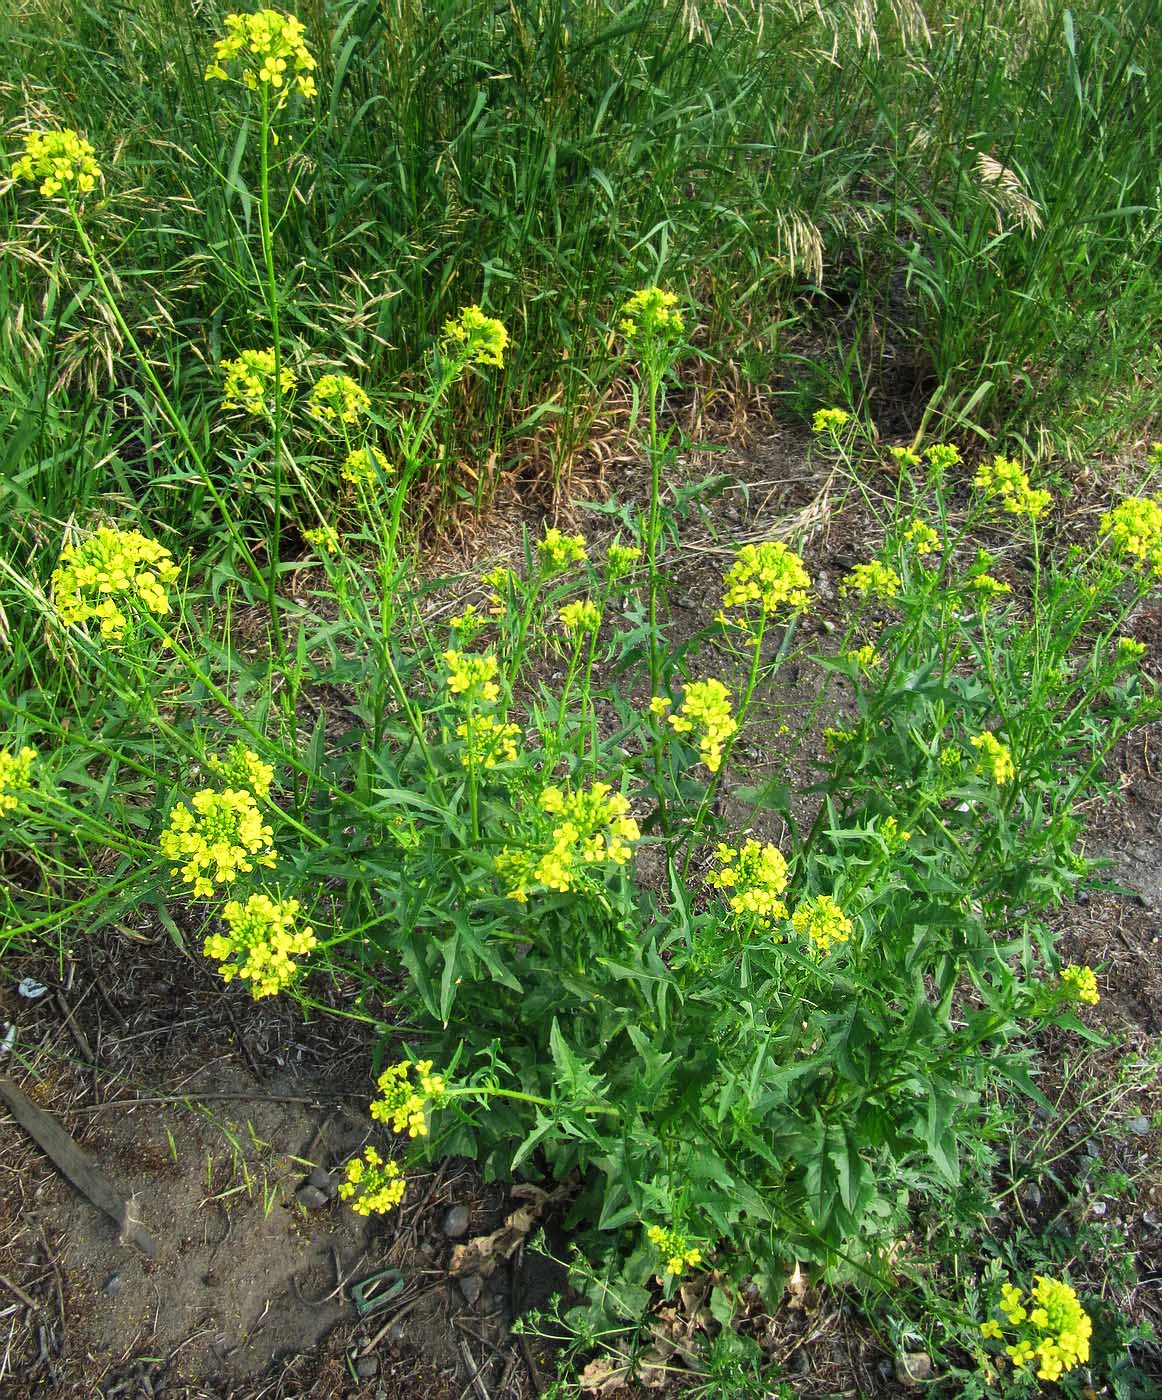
<point>20,1293</point>
<point>72,1163</point>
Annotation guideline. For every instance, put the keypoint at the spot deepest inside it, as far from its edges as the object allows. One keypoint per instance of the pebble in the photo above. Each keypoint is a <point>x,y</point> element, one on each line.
<point>1098,1208</point>
<point>455,1222</point>
<point>310,1197</point>
<point>324,1180</point>
<point>113,1285</point>
<point>1031,1195</point>
<point>1140,1126</point>
<point>913,1367</point>
<point>367,1367</point>
<point>472,1286</point>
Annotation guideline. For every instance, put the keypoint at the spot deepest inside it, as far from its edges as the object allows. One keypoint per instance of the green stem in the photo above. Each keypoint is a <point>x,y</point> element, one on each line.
<point>271,290</point>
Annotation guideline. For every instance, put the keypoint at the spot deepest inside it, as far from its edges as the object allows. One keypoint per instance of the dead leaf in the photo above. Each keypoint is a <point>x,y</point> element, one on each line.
<point>482,1254</point>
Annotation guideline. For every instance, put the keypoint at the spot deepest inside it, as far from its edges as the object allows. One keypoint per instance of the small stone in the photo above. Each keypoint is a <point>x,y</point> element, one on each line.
<point>1139,1126</point>
<point>367,1367</point>
<point>1098,1209</point>
<point>324,1181</point>
<point>1031,1195</point>
<point>913,1367</point>
<point>472,1287</point>
<point>1150,1218</point>
<point>1083,896</point>
<point>310,1197</point>
<point>455,1222</point>
<point>113,1285</point>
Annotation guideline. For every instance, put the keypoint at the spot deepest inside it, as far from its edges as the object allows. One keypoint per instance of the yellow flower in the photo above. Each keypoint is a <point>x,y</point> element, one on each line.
<point>756,876</point>
<point>360,466</point>
<point>242,768</point>
<point>470,678</point>
<point>558,551</point>
<point>865,657</point>
<point>995,758</point>
<point>1004,478</point>
<point>619,560</point>
<point>874,580</point>
<point>674,1248</point>
<point>905,456</point>
<point>218,836</point>
<point>822,922</point>
<point>406,1092</point>
<point>1055,1332</point>
<point>502,581</point>
<point>15,776</point>
<point>1080,984</point>
<point>110,565</point>
<point>323,538</point>
<point>829,420</point>
<point>481,339</point>
<point>768,576</point>
<point>487,741</point>
<point>705,711</point>
<point>250,382</point>
<point>372,1185</point>
<point>923,536</point>
<point>1129,650</point>
<point>986,587</point>
<point>659,705</point>
<point>62,161</point>
<point>1134,529</point>
<point>941,456</point>
<point>593,827</point>
<point>261,944</point>
<point>337,398</point>
<point>580,617</point>
<point>467,625</point>
<point>269,48</point>
<point>649,317</point>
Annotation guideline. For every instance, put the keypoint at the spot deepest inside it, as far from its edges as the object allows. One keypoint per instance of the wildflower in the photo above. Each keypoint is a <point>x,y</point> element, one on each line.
<point>337,398</point>
<point>467,625</point>
<point>649,317</point>
<point>482,339</point>
<point>942,455</point>
<point>15,776</point>
<point>1050,1326</point>
<point>261,944</point>
<point>218,836</point>
<point>1134,528</point>
<point>865,657</point>
<point>892,836</point>
<point>503,582</point>
<point>324,538</point>
<point>1004,478</point>
<point>619,560</point>
<point>874,580</point>
<point>755,876</point>
<point>768,575</point>
<point>986,586</point>
<point>834,739</point>
<point>470,678</point>
<point>242,768</point>
<point>705,710</point>
<point>923,536</point>
<point>112,565</point>
<point>487,741</point>
<point>250,381</point>
<point>361,465</point>
<point>822,922</point>
<point>995,758</point>
<point>593,827</point>
<point>829,420</point>
<point>1080,984</point>
<point>558,551</point>
<point>372,1185</point>
<point>1129,650</point>
<point>659,705</point>
<point>674,1248</point>
<point>905,456</point>
<point>265,44</point>
<point>406,1093</point>
<point>580,617</point>
<point>62,161</point>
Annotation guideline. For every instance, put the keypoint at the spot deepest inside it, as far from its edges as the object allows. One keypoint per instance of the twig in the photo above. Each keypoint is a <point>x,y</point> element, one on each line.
<point>475,1382</point>
<point>20,1293</point>
<point>397,1316</point>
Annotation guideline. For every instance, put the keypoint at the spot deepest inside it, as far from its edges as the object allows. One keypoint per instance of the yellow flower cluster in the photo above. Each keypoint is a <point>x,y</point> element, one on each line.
<point>487,741</point>
<point>834,739</point>
<point>995,758</point>
<point>360,465</point>
<point>558,551</point>
<point>481,339</point>
<point>650,316</point>
<point>619,560</point>
<point>891,834</point>
<point>674,1248</point>
<point>1054,1330</point>
<point>62,161</point>
<point>502,580</point>
<point>15,776</point>
<point>905,456</point>
<point>594,826</point>
<point>705,711</point>
<point>372,1185</point>
<point>471,678</point>
<point>821,922</point>
<point>768,575</point>
<point>865,657</point>
<point>406,1090</point>
<point>986,586</point>
<point>337,398</point>
<point>1134,527</point>
<point>580,617</point>
<point>242,768</point>
<point>1129,650</point>
<point>467,625</point>
<point>829,420</point>
<point>324,538</point>
<point>1080,984</point>
<point>270,48</point>
<point>215,838</point>
<point>941,456</point>
<point>874,580</point>
<point>756,877</point>
<point>109,565</point>
<point>250,381</point>
<point>261,945</point>
<point>923,536</point>
<point>1005,478</point>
